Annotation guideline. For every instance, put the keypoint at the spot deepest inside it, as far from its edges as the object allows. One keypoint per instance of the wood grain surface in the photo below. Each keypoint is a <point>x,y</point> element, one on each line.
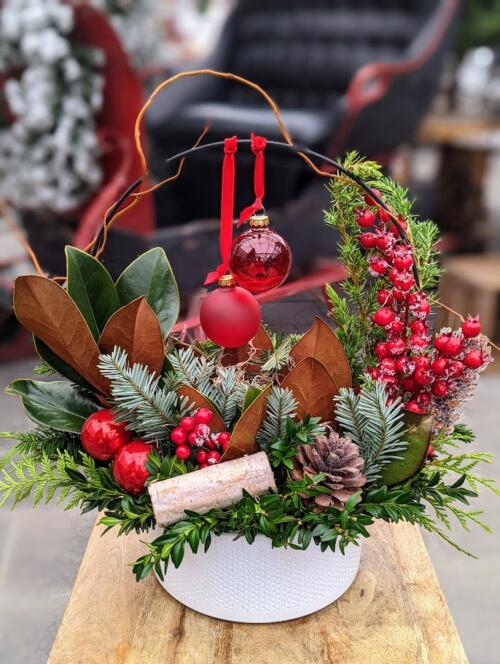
<point>394,613</point>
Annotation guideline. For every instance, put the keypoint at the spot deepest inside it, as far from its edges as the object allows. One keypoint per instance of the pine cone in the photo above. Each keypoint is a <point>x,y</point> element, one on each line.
<point>337,457</point>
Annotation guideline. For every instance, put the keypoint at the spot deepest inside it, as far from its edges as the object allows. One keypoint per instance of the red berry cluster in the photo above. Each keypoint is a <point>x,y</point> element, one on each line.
<point>407,362</point>
<point>194,439</point>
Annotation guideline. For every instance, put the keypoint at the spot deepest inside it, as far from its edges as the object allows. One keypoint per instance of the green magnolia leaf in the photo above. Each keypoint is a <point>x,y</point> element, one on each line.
<point>418,435</point>
<point>151,275</point>
<point>59,365</point>
<point>56,404</point>
<point>92,289</point>
<point>250,395</point>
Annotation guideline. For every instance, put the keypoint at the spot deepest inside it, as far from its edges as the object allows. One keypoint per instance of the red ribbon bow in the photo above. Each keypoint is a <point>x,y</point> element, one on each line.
<point>258,145</point>
<point>226,209</point>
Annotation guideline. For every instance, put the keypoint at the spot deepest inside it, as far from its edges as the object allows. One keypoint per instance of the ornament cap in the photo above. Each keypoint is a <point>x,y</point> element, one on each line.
<point>226,281</point>
<point>259,221</point>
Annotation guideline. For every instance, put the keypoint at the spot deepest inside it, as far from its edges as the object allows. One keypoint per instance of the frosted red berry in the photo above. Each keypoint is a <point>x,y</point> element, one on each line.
<point>409,385</point>
<point>422,362</point>
<point>187,423</point>
<point>385,296</point>
<point>473,359</point>
<point>378,267</point>
<point>413,407</point>
<point>388,366</point>
<point>201,456</point>
<point>213,457</point>
<point>369,200</point>
<point>383,316</point>
<point>441,341</point>
<point>203,416</point>
<point>403,261</point>
<point>368,240</point>
<point>396,347</point>
<point>440,388</point>
<point>455,369</point>
<point>365,218</point>
<point>418,327</point>
<point>439,366</point>
<point>471,327</point>
<point>422,377</point>
<point>383,215</point>
<point>178,436</point>
<point>453,347</point>
<point>381,350</point>
<point>182,452</point>
<point>384,241</point>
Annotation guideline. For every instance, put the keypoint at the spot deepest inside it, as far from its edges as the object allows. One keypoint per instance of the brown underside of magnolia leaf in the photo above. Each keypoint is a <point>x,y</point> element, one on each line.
<point>261,341</point>
<point>313,388</point>
<point>246,428</point>
<point>217,424</point>
<point>136,329</point>
<point>46,310</point>
<point>321,342</point>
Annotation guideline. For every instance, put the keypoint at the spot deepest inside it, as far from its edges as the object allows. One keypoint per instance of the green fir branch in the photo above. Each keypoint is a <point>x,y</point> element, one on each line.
<point>138,399</point>
<point>375,424</point>
<point>281,406</point>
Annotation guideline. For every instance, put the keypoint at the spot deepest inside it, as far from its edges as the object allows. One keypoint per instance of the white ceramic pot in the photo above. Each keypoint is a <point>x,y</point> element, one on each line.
<point>258,584</point>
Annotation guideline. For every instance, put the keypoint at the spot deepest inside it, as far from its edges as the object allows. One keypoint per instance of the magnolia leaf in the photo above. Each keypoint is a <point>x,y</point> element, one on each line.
<point>200,401</point>
<point>313,388</point>
<point>92,289</point>
<point>250,395</point>
<point>136,330</point>
<point>321,342</point>
<point>242,354</point>
<point>48,312</point>
<point>59,365</point>
<point>151,276</point>
<point>246,428</point>
<point>58,404</point>
<point>418,436</point>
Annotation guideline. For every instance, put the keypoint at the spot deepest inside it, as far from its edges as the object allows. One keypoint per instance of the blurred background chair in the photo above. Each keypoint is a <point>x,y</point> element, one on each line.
<point>346,76</point>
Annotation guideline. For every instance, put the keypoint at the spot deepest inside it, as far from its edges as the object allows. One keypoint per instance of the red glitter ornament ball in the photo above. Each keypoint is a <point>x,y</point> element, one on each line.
<point>230,316</point>
<point>102,437</point>
<point>260,258</point>
<point>129,467</point>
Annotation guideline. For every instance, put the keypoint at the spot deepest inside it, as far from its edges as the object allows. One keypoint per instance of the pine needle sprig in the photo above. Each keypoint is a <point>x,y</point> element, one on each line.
<point>281,406</point>
<point>41,441</point>
<point>191,368</point>
<point>138,399</point>
<point>374,424</point>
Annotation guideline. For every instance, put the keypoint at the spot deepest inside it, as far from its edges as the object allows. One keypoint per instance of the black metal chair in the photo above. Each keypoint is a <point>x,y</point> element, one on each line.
<point>347,75</point>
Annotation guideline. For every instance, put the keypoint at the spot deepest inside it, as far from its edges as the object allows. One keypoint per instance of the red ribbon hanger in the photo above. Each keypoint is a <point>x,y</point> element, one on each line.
<point>226,209</point>
<point>258,145</point>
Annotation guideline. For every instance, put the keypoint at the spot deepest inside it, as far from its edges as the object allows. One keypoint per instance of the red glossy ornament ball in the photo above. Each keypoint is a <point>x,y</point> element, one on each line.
<point>365,218</point>
<point>102,437</point>
<point>129,467</point>
<point>230,316</point>
<point>260,258</point>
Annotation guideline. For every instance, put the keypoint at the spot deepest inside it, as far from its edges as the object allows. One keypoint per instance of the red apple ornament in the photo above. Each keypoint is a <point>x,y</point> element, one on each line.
<point>129,467</point>
<point>102,437</point>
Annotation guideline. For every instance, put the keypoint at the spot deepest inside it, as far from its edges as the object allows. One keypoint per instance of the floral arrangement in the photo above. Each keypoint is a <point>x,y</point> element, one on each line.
<point>305,439</point>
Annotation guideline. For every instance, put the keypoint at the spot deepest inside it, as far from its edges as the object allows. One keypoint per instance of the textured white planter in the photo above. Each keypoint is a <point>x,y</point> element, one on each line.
<point>258,584</point>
